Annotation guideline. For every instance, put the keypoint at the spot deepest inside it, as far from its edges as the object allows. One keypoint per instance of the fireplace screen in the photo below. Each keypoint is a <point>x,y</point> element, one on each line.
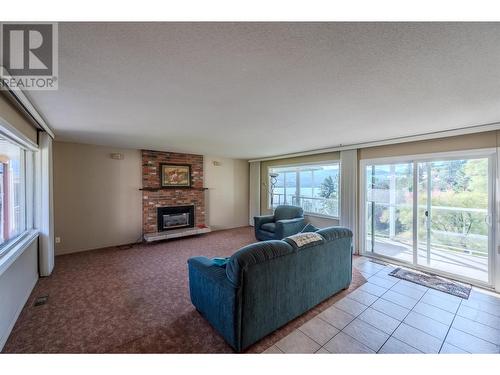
<point>175,220</point>
<point>174,217</point>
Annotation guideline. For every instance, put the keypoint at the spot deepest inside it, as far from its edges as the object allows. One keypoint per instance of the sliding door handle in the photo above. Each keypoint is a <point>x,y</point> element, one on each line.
<point>487,220</point>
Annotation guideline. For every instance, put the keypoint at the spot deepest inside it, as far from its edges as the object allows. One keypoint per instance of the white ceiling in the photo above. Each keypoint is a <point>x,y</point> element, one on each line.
<point>249,90</point>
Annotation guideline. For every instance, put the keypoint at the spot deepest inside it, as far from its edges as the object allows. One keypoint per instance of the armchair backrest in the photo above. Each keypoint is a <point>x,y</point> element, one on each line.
<point>285,212</point>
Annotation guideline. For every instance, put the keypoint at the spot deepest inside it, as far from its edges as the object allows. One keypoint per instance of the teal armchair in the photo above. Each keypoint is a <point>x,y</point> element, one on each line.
<point>286,221</point>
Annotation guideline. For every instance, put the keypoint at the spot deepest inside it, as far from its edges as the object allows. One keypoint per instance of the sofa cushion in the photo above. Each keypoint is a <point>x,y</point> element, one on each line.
<point>270,227</point>
<point>333,233</point>
<point>255,253</point>
<point>287,212</point>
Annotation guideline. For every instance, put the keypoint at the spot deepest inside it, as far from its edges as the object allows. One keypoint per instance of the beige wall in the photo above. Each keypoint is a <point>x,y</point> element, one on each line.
<point>97,202</point>
<point>227,194</point>
<point>16,284</point>
<point>12,115</point>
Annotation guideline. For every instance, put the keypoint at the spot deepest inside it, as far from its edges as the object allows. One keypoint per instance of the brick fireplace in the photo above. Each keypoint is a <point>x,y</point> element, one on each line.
<point>154,197</point>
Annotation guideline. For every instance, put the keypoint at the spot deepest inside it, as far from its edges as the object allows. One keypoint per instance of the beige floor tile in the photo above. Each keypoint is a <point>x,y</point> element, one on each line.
<point>484,306</point>
<point>477,329</point>
<point>297,342</point>
<point>319,330</point>
<point>417,339</point>
<point>408,291</point>
<point>362,297</point>
<point>469,342</point>
<point>380,320</point>
<point>451,349</point>
<point>322,351</point>
<point>272,350</point>
<point>391,309</point>
<point>350,306</point>
<point>395,346</point>
<point>366,334</point>
<point>400,299</point>
<point>381,281</point>
<point>336,317</point>
<point>479,316</point>
<point>343,343</point>
<point>443,303</point>
<point>372,289</point>
<point>434,312</point>
<point>427,325</point>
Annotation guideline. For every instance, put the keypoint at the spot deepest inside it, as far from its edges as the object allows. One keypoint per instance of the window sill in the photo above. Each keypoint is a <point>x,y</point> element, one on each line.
<point>322,216</point>
<point>313,214</point>
<point>16,249</point>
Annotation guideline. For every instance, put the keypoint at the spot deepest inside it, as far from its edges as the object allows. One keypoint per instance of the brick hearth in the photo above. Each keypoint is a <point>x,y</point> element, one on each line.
<point>151,175</point>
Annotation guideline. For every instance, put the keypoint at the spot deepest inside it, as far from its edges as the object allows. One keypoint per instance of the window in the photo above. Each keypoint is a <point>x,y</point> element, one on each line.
<point>15,161</point>
<point>314,187</point>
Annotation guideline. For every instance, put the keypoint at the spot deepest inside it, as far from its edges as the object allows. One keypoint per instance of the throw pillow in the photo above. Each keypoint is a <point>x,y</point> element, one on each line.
<point>221,262</point>
<point>302,239</point>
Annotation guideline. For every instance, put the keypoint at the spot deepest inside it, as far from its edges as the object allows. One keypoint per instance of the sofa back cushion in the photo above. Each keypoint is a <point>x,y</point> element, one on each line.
<point>255,253</point>
<point>288,212</point>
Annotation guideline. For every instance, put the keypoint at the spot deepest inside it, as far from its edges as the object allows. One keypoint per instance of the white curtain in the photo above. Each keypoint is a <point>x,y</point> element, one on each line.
<point>46,215</point>
<point>254,191</point>
<point>348,191</point>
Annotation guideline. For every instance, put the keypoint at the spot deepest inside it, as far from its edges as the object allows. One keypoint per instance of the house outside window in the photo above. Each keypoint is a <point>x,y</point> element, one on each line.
<point>15,220</point>
<point>314,187</point>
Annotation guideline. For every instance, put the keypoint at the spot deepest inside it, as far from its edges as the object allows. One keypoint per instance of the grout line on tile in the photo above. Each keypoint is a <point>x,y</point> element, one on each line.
<point>401,322</point>
<point>449,328</point>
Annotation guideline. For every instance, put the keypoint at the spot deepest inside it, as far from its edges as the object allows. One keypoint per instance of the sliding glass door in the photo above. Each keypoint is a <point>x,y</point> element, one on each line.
<point>389,205</point>
<point>433,213</point>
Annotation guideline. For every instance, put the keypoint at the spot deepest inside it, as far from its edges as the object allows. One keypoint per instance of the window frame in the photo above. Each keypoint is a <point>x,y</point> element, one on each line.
<point>28,152</point>
<point>307,164</point>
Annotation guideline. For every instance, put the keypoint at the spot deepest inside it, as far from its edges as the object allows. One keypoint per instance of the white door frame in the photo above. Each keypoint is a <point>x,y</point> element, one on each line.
<point>494,166</point>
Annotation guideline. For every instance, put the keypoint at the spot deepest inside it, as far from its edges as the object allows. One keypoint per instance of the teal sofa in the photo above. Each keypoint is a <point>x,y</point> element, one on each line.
<point>286,221</point>
<point>265,285</point>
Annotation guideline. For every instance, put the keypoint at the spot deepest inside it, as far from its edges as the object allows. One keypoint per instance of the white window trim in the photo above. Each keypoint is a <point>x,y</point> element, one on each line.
<point>16,248</point>
<point>15,136</point>
<point>428,157</point>
<point>305,164</point>
<point>11,251</point>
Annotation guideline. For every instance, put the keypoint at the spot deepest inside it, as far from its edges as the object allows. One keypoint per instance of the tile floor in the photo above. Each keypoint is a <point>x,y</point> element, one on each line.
<point>389,315</point>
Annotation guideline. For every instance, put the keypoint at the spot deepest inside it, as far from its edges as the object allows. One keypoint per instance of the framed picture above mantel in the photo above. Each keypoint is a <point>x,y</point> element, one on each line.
<point>175,175</point>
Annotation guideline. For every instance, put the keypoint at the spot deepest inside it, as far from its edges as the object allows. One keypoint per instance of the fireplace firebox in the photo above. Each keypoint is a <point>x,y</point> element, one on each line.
<point>175,217</point>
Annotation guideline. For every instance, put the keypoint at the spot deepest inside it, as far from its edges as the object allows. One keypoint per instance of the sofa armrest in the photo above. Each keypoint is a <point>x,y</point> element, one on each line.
<point>215,297</point>
<point>285,228</point>
<point>259,220</point>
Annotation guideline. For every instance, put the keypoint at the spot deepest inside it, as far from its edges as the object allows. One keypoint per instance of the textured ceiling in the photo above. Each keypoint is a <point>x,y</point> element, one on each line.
<point>250,90</point>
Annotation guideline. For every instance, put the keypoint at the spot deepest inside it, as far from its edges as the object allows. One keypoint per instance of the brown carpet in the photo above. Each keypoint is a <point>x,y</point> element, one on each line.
<point>133,300</point>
